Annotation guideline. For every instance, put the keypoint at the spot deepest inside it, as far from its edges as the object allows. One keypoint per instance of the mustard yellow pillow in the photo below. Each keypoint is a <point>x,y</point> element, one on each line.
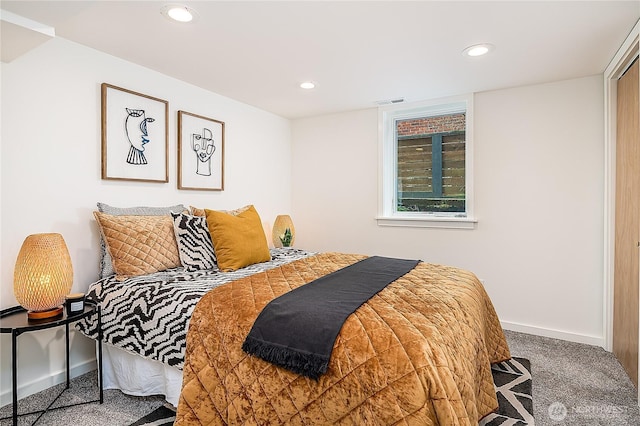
<point>139,245</point>
<point>238,240</point>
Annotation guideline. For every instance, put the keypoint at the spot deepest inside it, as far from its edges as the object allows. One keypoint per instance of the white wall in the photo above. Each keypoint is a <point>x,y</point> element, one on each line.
<point>50,174</point>
<point>539,201</point>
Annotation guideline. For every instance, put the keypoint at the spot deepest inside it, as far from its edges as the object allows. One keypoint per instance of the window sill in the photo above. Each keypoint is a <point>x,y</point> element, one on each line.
<point>428,222</point>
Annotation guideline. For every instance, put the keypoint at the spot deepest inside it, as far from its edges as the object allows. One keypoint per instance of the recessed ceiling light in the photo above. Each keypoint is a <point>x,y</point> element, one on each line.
<point>478,49</point>
<point>308,85</point>
<point>178,12</point>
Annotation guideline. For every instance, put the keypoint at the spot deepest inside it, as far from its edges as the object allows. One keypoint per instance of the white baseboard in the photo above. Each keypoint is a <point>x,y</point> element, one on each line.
<point>555,334</point>
<point>45,382</point>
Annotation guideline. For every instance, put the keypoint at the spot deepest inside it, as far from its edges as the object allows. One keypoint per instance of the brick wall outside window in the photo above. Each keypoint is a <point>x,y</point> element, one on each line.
<point>429,125</point>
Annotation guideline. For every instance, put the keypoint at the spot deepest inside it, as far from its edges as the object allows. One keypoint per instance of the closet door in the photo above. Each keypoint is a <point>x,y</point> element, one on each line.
<point>627,238</point>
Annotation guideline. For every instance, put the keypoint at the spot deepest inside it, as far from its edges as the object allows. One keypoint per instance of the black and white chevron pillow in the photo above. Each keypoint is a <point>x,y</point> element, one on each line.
<point>194,242</point>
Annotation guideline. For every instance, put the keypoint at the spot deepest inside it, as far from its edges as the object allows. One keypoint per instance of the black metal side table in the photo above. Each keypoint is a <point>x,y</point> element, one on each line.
<point>14,320</point>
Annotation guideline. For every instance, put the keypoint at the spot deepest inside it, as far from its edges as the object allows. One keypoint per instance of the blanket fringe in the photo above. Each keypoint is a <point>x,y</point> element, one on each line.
<point>307,364</point>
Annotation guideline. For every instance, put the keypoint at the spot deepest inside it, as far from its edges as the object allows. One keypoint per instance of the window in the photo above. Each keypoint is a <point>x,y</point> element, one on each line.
<point>426,164</point>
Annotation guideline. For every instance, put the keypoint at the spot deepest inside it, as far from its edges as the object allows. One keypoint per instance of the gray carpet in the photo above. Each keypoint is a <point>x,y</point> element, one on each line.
<point>118,409</point>
<point>573,384</point>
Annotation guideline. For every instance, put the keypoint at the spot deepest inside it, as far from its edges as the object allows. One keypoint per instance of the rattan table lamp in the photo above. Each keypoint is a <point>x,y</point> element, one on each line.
<point>43,275</point>
<point>283,232</point>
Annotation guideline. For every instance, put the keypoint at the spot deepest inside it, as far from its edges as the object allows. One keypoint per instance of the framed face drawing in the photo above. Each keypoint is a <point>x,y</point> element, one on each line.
<point>134,136</point>
<point>200,152</point>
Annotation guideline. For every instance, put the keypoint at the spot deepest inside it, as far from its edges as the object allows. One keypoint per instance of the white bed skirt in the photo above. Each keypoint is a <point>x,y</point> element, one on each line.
<point>135,375</point>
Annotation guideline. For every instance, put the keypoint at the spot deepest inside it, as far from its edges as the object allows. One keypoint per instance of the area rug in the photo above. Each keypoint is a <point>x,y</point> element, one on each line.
<point>513,386</point>
<point>512,379</point>
<point>161,416</point>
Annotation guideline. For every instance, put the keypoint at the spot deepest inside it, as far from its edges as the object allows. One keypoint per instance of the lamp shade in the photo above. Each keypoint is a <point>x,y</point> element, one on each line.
<point>43,274</point>
<point>284,234</point>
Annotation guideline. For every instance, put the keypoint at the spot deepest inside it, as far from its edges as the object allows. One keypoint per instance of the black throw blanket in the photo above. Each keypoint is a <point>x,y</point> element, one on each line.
<point>297,330</point>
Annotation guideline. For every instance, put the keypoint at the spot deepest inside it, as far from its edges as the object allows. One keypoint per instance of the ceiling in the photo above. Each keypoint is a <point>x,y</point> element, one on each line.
<point>357,52</point>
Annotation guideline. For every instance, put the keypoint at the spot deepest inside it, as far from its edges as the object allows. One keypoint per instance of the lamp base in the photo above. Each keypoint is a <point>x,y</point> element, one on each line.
<point>51,313</point>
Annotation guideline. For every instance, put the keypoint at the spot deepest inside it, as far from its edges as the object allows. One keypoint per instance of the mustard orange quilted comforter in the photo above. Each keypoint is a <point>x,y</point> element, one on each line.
<point>417,353</point>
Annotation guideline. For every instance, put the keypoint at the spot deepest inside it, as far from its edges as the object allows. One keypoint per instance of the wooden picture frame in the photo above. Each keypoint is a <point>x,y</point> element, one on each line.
<point>135,136</point>
<point>200,152</point>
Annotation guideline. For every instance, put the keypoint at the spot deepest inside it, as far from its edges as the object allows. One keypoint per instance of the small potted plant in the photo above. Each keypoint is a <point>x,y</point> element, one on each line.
<point>286,238</point>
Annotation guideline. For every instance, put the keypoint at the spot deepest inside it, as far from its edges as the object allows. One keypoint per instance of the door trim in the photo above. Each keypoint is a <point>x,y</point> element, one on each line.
<point>618,65</point>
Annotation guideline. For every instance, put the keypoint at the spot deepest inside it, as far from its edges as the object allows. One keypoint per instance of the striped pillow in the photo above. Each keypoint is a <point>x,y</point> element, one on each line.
<point>194,242</point>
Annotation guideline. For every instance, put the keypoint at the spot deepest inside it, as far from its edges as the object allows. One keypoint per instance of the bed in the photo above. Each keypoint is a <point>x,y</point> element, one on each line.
<point>417,352</point>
